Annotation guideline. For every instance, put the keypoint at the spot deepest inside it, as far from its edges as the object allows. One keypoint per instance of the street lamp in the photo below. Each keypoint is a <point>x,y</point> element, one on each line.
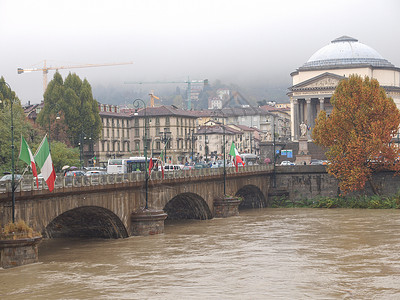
<point>223,147</point>
<point>136,105</point>
<point>13,187</point>
<point>193,140</point>
<point>83,137</point>
<point>165,140</point>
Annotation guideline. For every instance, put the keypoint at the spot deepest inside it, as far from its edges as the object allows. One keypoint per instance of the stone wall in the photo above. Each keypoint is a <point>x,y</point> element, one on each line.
<point>306,182</point>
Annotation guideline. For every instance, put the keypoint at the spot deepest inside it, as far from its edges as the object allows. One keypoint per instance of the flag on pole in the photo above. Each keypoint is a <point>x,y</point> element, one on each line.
<point>236,156</point>
<point>161,165</point>
<point>26,155</point>
<point>43,159</point>
<point>151,164</point>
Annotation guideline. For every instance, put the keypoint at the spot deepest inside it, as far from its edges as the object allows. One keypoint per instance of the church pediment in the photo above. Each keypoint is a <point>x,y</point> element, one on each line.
<point>323,81</point>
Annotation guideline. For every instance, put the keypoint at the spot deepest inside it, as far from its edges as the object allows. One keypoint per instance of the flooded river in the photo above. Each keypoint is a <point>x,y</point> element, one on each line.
<point>261,254</point>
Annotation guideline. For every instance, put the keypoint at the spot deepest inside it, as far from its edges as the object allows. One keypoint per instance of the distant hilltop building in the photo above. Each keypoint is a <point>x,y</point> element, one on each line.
<point>316,80</point>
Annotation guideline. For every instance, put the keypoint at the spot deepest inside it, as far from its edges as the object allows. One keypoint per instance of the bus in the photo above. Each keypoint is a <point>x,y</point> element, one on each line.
<point>128,165</point>
<point>249,159</point>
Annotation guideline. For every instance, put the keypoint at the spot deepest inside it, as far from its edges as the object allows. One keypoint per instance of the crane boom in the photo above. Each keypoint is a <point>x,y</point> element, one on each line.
<point>46,69</point>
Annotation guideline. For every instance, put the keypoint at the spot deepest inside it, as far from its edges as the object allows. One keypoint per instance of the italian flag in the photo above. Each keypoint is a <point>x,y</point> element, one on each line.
<point>43,159</point>
<point>25,154</point>
<point>236,156</point>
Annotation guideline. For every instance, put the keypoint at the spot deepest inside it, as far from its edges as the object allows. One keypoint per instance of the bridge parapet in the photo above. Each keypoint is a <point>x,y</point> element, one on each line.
<point>71,184</point>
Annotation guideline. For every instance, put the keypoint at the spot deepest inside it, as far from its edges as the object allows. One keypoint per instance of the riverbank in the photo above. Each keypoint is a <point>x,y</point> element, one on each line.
<point>371,202</point>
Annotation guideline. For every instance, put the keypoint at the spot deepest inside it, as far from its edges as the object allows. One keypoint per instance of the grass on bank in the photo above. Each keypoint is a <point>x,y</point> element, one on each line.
<point>362,201</point>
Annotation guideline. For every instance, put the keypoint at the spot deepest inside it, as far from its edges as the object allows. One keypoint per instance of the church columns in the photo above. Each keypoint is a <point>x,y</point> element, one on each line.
<point>309,118</point>
<point>296,115</point>
<point>321,104</point>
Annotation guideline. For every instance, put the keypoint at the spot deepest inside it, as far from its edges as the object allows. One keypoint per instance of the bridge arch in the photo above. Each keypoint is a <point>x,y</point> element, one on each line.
<point>187,206</point>
<point>88,222</point>
<point>252,197</point>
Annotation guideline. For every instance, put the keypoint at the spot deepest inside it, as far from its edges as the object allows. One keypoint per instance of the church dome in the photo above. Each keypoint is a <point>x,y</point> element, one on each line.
<point>345,51</point>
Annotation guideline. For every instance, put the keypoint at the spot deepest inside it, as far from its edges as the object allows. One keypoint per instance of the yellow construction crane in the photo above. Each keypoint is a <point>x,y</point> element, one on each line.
<point>152,97</point>
<point>46,69</point>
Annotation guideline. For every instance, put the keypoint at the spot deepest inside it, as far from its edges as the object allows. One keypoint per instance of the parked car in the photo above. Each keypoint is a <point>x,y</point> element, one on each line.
<point>214,165</point>
<point>188,167</point>
<point>287,163</point>
<point>74,173</point>
<point>8,178</point>
<point>95,173</point>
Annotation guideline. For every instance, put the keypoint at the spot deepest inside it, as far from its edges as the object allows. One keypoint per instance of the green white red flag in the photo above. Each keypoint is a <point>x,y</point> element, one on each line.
<point>25,154</point>
<point>43,159</point>
<point>151,164</point>
<point>236,156</point>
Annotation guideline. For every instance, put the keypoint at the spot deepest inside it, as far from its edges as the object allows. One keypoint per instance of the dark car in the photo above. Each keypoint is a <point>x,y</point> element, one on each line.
<point>69,175</point>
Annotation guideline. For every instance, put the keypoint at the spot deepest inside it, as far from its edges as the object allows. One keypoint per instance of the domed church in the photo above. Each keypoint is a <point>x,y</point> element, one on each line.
<point>315,81</point>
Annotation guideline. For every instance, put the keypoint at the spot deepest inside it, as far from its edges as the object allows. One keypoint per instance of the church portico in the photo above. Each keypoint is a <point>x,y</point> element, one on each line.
<point>315,82</point>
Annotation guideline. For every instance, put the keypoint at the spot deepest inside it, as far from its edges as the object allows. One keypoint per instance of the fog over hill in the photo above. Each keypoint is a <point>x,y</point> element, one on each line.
<point>126,93</point>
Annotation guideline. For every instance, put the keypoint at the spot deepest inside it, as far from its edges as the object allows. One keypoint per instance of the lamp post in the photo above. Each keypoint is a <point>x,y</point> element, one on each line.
<point>274,175</point>
<point>12,156</point>
<point>205,142</point>
<point>223,147</point>
<point>193,140</point>
<point>136,105</point>
<point>165,140</point>
<point>83,137</point>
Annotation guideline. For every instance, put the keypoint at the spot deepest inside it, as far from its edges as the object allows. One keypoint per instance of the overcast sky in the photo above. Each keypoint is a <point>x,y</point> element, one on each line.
<point>248,42</point>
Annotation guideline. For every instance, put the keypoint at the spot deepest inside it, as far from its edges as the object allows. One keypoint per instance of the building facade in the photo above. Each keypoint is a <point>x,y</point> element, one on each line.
<point>315,82</point>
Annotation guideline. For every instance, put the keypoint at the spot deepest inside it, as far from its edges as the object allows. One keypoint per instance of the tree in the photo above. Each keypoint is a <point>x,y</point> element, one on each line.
<point>61,155</point>
<point>21,127</point>
<point>358,133</point>
<point>79,111</point>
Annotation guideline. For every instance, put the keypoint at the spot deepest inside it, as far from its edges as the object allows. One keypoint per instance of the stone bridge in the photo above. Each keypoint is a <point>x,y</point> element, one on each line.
<point>104,209</point>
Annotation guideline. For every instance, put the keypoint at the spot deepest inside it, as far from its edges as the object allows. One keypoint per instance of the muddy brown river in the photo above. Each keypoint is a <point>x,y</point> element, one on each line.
<point>261,254</point>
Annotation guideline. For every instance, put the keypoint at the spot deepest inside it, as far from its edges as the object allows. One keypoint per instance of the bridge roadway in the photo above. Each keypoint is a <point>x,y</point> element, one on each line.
<point>102,206</point>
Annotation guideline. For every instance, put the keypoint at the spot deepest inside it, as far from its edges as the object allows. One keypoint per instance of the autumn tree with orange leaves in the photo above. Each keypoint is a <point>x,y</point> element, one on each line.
<point>358,133</point>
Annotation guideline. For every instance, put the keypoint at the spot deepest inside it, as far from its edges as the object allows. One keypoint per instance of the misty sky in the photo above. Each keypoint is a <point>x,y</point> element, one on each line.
<point>252,43</point>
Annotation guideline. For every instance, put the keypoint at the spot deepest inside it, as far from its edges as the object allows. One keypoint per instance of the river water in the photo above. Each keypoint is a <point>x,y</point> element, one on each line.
<point>261,254</point>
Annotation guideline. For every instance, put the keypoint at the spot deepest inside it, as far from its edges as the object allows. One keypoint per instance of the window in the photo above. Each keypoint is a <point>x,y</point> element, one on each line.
<point>158,145</point>
<point>167,121</point>
<point>136,122</point>
<point>157,121</point>
<point>137,132</point>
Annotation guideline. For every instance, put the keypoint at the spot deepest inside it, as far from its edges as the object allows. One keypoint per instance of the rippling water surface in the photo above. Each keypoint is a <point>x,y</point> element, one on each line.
<point>261,254</point>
